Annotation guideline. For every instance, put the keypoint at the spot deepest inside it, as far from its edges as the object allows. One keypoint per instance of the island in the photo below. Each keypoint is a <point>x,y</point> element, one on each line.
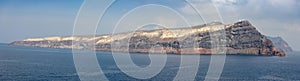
<point>241,38</point>
<point>280,44</point>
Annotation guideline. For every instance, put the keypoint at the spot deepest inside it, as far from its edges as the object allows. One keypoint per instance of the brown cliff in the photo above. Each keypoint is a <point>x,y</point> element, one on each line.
<point>237,38</point>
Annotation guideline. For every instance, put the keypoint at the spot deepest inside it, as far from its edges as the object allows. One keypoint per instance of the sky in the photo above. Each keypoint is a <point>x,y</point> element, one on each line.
<point>20,19</point>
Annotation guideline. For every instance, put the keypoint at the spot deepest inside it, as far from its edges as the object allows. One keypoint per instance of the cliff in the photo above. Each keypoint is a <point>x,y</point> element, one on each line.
<point>240,38</point>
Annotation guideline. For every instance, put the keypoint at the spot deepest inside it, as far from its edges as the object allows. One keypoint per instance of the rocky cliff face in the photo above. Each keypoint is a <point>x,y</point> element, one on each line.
<point>237,38</point>
<point>280,44</point>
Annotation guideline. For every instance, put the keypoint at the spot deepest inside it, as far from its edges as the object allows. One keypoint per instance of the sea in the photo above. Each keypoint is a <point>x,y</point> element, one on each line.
<point>21,63</point>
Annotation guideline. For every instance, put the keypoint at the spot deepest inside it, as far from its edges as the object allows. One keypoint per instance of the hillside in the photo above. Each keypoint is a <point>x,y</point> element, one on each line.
<point>238,38</point>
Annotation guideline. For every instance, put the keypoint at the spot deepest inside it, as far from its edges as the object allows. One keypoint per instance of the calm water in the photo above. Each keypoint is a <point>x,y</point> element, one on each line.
<point>29,63</point>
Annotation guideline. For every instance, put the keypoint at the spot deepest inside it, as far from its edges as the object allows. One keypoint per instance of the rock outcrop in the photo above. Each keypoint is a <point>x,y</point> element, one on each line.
<point>237,38</point>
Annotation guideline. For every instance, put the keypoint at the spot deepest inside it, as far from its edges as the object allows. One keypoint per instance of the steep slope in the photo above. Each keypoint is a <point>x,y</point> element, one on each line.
<point>237,38</point>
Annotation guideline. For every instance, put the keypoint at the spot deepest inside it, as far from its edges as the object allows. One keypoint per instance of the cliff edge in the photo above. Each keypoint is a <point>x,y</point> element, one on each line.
<point>240,38</point>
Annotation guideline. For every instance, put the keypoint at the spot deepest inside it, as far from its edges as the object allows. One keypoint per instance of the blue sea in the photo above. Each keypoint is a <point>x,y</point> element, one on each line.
<point>20,63</point>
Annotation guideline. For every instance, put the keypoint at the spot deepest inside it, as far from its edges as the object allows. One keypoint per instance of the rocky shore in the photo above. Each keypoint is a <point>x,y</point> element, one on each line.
<point>238,38</point>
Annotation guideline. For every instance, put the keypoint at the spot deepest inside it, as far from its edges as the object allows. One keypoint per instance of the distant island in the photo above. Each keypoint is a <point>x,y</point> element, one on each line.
<point>241,38</point>
<point>280,44</point>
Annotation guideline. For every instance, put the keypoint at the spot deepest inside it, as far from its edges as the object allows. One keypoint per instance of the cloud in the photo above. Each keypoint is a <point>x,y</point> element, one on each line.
<point>206,9</point>
<point>260,8</point>
<point>237,9</point>
<point>150,14</point>
<point>271,17</point>
<point>224,1</point>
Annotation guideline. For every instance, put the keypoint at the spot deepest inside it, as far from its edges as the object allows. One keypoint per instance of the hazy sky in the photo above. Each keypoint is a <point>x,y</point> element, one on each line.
<point>20,19</point>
